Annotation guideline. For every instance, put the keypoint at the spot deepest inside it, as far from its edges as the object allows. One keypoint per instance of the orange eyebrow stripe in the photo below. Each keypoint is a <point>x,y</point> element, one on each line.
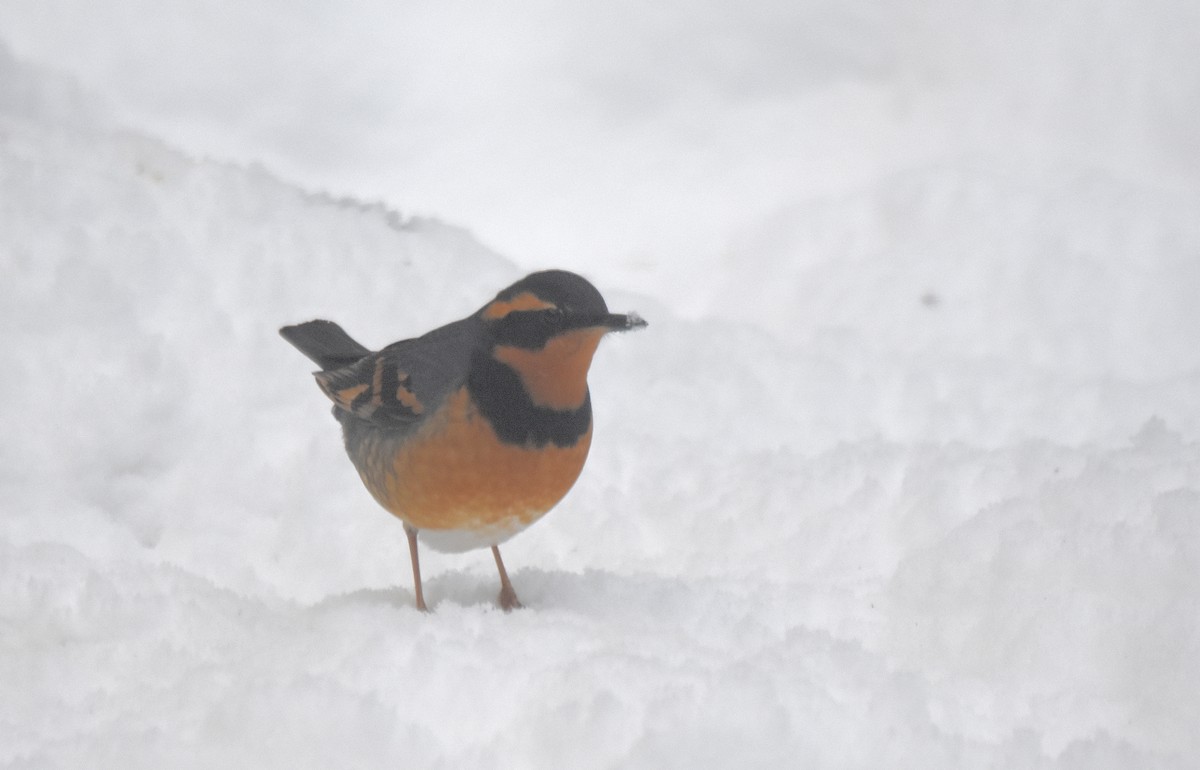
<point>523,301</point>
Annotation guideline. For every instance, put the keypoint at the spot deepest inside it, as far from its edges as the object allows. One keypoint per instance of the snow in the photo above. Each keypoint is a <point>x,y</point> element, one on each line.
<point>904,472</point>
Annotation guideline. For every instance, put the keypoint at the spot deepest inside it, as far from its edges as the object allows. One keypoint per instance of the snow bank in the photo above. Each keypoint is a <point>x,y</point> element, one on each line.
<point>937,525</point>
<point>628,139</point>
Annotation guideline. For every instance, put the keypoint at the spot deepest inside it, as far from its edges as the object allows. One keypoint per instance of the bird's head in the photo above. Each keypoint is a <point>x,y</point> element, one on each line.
<point>546,327</point>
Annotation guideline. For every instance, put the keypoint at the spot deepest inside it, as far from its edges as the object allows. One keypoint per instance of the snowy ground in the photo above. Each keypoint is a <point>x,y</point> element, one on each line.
<point>904,473</point>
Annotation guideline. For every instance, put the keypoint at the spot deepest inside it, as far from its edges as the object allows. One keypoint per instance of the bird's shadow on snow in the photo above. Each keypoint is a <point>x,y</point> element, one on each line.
<point>590,593</point>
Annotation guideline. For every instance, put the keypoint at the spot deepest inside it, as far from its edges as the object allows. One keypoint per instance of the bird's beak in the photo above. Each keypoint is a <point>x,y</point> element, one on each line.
<point>623,322</point>
<point>608,322</point>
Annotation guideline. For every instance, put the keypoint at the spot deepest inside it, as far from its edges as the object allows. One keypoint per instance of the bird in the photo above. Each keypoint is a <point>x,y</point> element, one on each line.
<point>473,431</point>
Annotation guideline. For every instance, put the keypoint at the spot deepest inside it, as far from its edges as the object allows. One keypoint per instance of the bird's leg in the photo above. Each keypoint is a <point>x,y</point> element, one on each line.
<point>508,597</point>
<point>416,565</point>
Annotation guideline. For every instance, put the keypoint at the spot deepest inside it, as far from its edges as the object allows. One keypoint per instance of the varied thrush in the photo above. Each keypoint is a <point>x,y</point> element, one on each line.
<point>473,431</point>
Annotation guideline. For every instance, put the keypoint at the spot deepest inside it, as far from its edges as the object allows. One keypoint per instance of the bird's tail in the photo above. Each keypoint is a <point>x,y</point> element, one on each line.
<point>326,343</point>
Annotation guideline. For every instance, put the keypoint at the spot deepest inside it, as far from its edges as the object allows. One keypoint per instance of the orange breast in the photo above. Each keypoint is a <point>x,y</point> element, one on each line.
<point>454,474</point>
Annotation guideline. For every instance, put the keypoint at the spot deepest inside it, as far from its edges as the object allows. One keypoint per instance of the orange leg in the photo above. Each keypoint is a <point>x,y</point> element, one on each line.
<point>416,565</point>
<point>508,597</point>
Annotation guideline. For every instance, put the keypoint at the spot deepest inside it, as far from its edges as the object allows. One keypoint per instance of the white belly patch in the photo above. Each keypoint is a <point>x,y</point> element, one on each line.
<point>459,540</point>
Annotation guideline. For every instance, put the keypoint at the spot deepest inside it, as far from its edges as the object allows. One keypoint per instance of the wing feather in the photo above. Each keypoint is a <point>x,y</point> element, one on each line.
<point>401,385</point>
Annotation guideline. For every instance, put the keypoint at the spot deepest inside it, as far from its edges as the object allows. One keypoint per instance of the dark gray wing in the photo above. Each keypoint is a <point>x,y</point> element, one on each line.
<point>407,381</point>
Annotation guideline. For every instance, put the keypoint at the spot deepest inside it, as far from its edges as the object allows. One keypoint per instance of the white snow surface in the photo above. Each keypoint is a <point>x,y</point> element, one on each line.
<point>905,471</point>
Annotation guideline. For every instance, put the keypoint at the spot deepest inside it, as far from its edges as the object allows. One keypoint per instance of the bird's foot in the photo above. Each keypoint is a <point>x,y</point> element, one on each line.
<point>508,599</point>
